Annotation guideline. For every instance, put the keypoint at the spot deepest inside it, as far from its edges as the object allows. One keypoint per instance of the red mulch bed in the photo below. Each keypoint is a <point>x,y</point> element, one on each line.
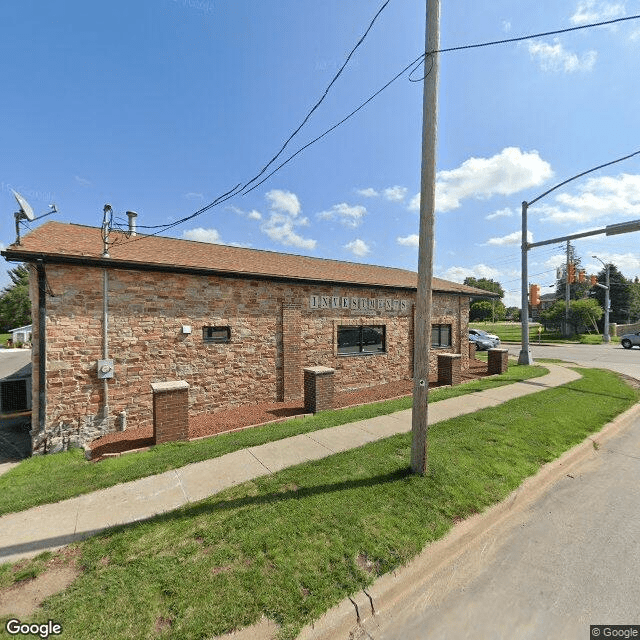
<point>210,424</point>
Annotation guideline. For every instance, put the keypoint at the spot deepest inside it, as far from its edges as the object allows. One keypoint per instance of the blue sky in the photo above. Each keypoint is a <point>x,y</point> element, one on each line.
<point>161,106</point>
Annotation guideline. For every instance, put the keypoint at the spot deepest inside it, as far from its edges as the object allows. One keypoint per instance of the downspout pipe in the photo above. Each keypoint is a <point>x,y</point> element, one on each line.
<point>42,346</point>
<point>105,338</point>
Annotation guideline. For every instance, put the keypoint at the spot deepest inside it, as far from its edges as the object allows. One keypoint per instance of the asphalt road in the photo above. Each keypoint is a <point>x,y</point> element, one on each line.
<point>606,356</point>
<point>568,560</point>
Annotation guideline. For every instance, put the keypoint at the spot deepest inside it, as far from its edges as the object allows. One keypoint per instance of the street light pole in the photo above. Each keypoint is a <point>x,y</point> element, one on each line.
<point>607,300</point>
<point>525,356</point>
<point>610,230</point>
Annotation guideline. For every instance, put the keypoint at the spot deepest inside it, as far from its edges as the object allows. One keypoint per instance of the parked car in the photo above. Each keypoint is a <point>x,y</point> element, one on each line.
<point>490,337</point>
<point>482,343</point>
<point>630,339</point>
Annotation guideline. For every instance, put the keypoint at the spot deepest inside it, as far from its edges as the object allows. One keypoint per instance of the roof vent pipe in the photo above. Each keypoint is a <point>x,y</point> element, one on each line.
<point>132,222</point>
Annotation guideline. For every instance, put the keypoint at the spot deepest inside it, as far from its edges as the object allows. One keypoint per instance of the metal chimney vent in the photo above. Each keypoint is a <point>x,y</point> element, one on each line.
<point>132,222</point>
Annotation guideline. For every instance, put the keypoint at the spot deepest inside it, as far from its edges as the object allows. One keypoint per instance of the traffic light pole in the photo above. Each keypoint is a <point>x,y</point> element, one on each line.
<point>612,229</point>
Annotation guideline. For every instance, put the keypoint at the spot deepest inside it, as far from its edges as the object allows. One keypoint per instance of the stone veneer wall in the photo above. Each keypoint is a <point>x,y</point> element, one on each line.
<point>274,336</point>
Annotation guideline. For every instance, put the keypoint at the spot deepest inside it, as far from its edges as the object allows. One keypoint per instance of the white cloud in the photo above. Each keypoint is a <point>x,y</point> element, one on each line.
<point>502,213</point>
<point>349,215</point>
<point>412,240</point>
<point>284,201</point>
<point>458,274</point>
<point>596,199</point>
<point>554,57</point>
<point>628,263</point>
<point>358,248</point>
<point>395,194</point>
<point>369,192</point>
<point>512,238</point>
<point>280,226</point>
<point>203,235</point>
<point>280,229</point>
<point>505,173</point>
<point>414,203</point>
<point>193,196</point>
<point>506,26</point>
<point>82,181</point>
<point>252,215</point>
<point>592,11</point>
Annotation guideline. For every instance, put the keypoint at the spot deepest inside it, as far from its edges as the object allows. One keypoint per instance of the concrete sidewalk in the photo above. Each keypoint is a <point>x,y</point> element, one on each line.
<point>51,526</point>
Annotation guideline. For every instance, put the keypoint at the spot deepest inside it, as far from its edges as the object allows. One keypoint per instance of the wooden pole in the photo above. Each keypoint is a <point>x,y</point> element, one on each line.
<point>422,333</point>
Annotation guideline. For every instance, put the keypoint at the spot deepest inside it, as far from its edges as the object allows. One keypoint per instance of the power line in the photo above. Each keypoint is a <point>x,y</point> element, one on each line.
<point>245,188</point>
<point>297,130</point>
<point>535,35</point>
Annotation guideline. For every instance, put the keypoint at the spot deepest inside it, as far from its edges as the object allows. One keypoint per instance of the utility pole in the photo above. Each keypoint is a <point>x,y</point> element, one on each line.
<point>567,295</point>
<point>422,328</point>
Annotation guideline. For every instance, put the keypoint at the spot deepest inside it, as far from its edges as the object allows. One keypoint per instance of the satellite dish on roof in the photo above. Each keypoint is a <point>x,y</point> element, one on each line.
<point>26,213</point>
<point>25,207</point>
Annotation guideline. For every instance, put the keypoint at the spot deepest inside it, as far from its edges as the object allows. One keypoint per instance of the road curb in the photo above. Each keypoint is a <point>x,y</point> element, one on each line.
<point>346,619</point>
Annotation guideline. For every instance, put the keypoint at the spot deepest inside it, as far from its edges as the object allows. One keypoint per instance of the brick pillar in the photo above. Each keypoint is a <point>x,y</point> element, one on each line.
<point>291,347</point>
<point>472,350</point>
<point>318,389</point>
<point>449,365</point>
<point>170,411</point>
<point>498,360</point>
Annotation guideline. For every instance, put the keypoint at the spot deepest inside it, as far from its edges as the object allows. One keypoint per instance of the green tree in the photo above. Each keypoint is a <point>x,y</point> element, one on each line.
<point>634,300</point>
<point>480,311</point>
<point>15,306</point>
<point>486,284</point>
<point>582,313</point>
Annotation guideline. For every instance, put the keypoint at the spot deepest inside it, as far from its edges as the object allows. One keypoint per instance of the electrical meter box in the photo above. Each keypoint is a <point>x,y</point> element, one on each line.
<point>105,369</point>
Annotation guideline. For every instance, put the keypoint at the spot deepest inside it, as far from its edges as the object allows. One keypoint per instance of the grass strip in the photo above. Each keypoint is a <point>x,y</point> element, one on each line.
<point>45,479</point>
<point>292,545</point>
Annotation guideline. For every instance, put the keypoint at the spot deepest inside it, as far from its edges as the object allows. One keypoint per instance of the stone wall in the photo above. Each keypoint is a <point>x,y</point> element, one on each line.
<point>276,332</point>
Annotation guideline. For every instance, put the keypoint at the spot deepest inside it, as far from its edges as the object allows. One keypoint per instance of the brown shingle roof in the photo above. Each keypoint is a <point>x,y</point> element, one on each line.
<point>55,241</point>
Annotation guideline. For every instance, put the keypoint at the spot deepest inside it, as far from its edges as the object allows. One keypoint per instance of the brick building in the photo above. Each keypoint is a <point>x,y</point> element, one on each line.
<point>238,325</point>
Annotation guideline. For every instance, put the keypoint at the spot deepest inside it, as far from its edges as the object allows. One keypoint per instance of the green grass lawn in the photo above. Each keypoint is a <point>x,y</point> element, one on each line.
<point>291,545</point>
<point>512,332</point>
<point>44,479</point>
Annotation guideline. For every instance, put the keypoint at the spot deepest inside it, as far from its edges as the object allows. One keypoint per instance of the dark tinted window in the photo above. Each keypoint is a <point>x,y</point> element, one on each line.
<point>352,340</point>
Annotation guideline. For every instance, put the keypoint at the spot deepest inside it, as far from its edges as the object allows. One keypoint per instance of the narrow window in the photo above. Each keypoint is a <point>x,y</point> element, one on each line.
<point>364,339</point>
<point>14,396</point>
<point>216,334</point>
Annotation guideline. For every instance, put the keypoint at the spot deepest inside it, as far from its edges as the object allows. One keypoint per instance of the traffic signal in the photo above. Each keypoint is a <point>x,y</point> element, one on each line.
<point>594,279</point>
<point>571,276</point>
<point>534,295</point>
<point>581,275</point>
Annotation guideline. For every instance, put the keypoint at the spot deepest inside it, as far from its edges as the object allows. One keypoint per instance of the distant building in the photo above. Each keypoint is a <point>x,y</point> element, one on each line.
<point>21,334</point>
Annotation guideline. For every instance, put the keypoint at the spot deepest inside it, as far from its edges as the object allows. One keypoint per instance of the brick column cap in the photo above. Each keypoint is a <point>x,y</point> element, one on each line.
<point>452,356</point>
<point>174,385</point>
<point>320,370</point>
<point>499,350</point>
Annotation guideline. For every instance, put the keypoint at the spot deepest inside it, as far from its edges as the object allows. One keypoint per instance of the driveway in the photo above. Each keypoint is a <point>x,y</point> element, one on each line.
<point>604,356</point>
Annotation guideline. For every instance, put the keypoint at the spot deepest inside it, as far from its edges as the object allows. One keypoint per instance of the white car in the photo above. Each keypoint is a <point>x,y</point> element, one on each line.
<point>630,340</point>
<point>486,337</point>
